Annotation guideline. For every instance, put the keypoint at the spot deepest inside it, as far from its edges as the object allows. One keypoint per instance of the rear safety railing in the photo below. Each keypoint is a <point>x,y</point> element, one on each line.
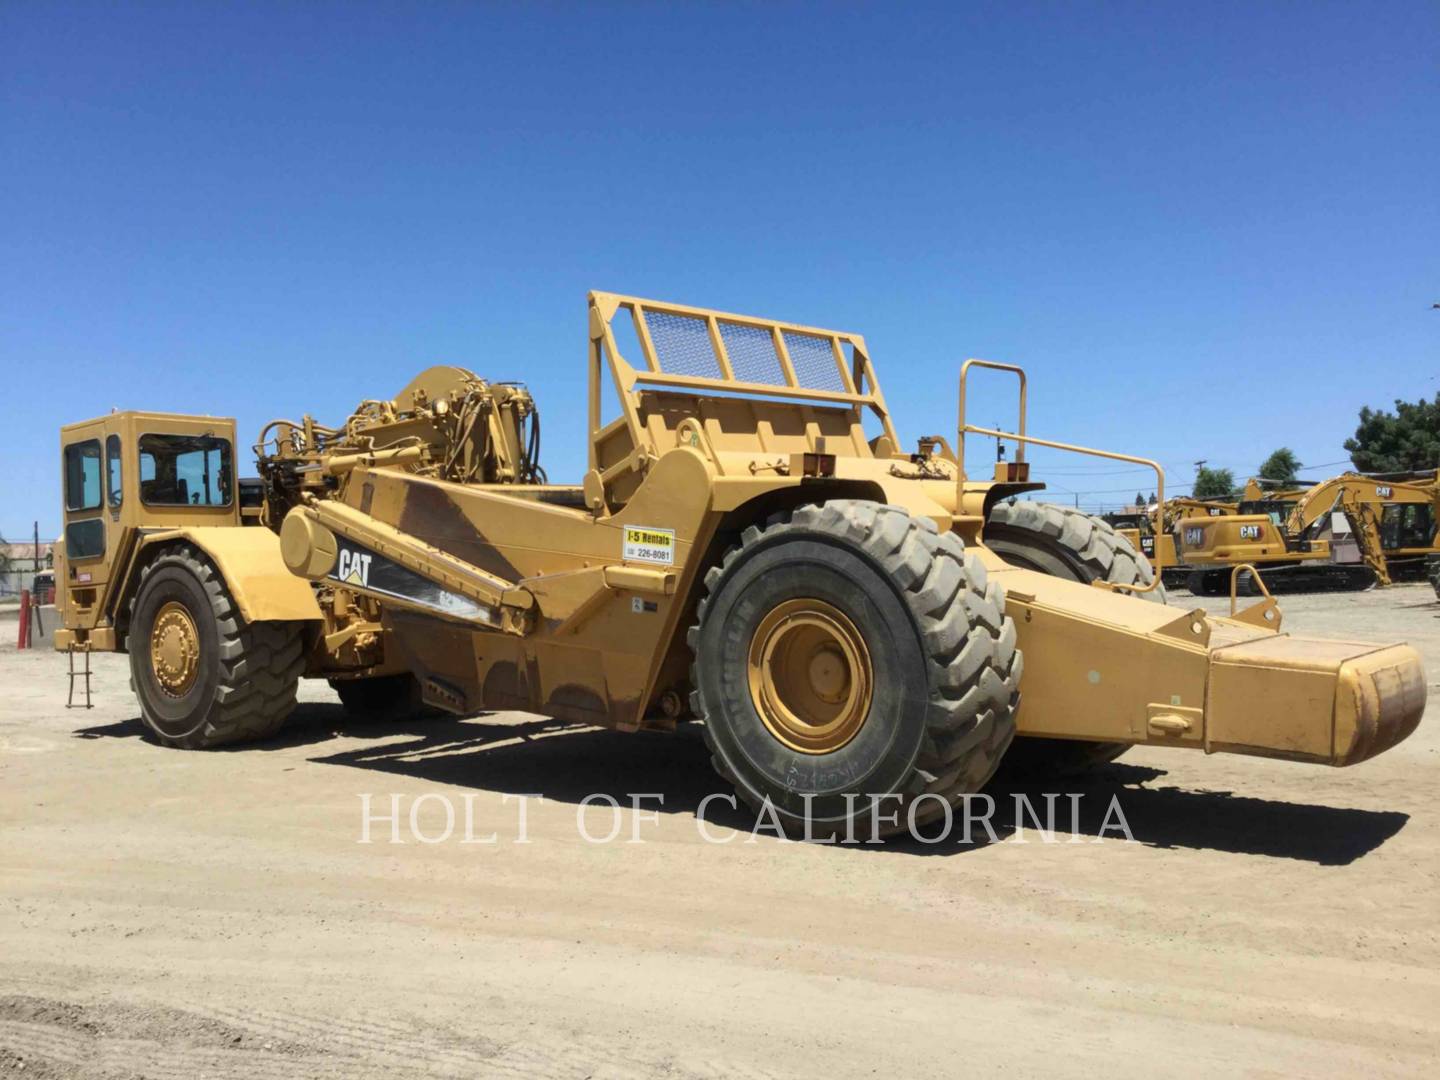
<point>1022,440</point>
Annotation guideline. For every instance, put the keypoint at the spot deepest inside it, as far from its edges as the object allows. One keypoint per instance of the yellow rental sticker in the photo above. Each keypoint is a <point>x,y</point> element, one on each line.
<point>646,544</point>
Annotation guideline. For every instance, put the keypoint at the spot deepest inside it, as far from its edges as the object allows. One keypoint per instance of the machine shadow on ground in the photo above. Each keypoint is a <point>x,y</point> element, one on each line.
<point>565,762</point>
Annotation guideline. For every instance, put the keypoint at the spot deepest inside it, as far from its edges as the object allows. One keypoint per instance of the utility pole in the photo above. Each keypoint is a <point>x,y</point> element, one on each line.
<point>999,446</point>
<point>37,547</point>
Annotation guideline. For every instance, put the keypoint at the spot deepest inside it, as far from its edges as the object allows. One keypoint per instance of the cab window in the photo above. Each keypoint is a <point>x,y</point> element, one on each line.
<point>1277,512</point>
<point>1407,525</point>
<point>113,486</point>
<point>185,470</point>
<point>85,539</point>
<point>82,475</point>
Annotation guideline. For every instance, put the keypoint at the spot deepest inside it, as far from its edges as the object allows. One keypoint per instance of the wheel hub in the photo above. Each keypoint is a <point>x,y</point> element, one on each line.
<point>810,676</point>
<point>174,649</point>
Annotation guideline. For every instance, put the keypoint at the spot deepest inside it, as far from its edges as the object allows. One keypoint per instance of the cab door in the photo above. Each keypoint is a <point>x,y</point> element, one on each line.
<point>92,482</point>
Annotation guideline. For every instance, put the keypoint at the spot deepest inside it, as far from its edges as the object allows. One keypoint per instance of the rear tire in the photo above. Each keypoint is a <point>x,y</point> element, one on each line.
<point>1065,542</point>
<point>911,621</point>
<point>205,677</point>
<point>1432,571</point>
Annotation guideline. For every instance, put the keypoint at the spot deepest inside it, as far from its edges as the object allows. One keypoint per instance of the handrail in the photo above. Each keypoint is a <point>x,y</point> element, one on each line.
<point>963,427</point>
<point>1074,449</point>
<point>1022,439</point>
<point>1108,454</point>
<point>1235,582</point>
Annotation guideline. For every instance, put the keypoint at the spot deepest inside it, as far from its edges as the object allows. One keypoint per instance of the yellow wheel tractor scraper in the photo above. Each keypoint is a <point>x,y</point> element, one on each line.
<point>857,626</point>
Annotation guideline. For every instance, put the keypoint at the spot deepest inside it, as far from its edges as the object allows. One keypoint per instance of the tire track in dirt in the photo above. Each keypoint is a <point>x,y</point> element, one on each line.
<point>49,1037</point>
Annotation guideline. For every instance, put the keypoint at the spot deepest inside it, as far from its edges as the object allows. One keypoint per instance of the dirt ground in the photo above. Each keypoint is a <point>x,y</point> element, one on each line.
<point>174,914</point>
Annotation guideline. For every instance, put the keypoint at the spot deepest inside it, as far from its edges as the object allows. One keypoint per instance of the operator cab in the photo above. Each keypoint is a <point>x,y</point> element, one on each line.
<point>1408,526</point>
<point>1277,510</point>
<point>130,473</point>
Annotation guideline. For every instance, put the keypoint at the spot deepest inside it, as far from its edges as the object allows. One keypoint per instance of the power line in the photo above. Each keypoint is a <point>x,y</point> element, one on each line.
<point>1121,491</point>
<point>1041,474</point>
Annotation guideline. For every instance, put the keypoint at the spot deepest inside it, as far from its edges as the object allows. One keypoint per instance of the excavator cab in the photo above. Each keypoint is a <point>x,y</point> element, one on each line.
<point>1407,526</point>
<point>1277,510</point>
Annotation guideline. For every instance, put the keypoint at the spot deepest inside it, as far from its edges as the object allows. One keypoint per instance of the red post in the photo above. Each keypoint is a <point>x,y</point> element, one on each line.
<point>24,642</point>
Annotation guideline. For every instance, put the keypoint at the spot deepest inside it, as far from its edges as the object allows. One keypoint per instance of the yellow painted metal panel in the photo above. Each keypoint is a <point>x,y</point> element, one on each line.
<point>250,562</point>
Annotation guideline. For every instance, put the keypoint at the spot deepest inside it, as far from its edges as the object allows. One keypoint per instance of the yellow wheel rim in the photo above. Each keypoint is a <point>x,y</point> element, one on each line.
<point>174,649</point>
<point>810,676</point>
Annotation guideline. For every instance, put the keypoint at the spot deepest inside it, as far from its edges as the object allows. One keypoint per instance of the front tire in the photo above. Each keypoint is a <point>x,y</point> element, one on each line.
<point>851,653</point>
<point>205,677</point>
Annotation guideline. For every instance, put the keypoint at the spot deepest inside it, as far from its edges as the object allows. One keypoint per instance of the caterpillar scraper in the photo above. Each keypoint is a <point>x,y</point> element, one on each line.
<point>865,632</point>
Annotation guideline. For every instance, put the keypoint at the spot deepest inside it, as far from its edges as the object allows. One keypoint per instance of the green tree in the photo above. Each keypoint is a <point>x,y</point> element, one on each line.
<point>1213,483</point>
<point>1405,440</point>
<point>1281,466</point>
<point>4,556</point>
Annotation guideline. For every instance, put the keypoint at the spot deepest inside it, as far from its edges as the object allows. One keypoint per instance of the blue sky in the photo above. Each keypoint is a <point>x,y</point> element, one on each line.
<point>1207,230</point>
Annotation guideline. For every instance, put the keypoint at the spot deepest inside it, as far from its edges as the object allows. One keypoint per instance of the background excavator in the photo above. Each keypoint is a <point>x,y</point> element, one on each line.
<point>1352,530</point>
<point>1151,530</point>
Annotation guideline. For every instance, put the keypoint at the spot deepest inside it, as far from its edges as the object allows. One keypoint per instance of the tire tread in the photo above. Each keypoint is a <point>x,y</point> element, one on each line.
<point>1104,555</point>
<point>260,663</point>
<point>973,665</point>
